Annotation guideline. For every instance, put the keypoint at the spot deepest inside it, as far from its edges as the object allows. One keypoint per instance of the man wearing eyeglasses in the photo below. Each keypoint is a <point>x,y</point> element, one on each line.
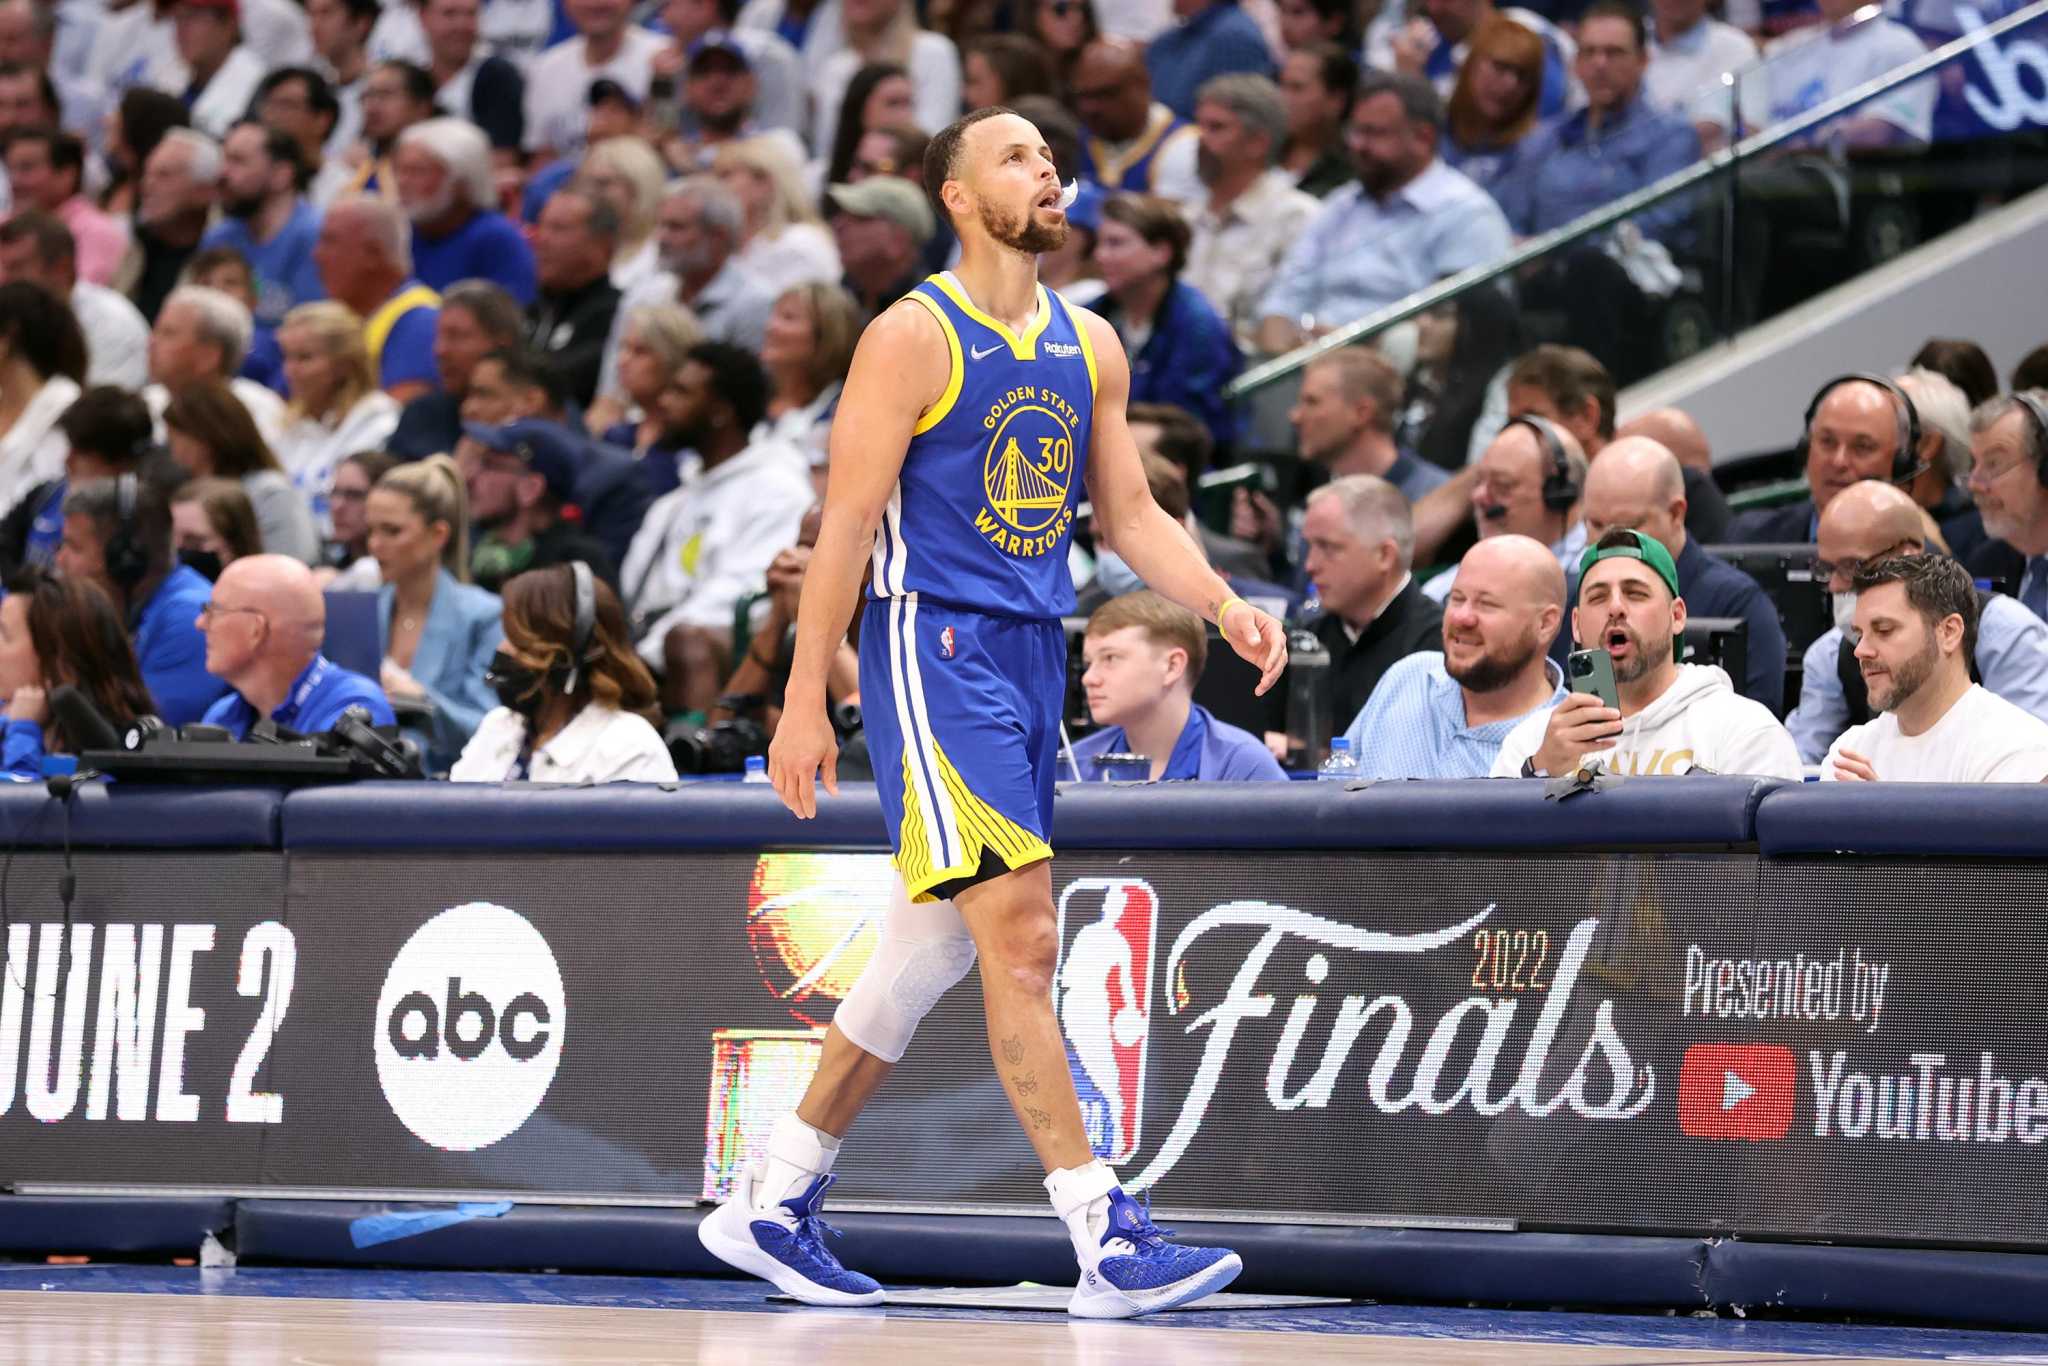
<point>1861,525</point>
<point>263,631</point>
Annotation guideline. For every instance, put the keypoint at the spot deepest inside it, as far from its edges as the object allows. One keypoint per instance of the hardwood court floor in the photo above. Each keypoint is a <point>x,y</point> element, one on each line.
<point>48,1318</point>
<point>125,1330</point>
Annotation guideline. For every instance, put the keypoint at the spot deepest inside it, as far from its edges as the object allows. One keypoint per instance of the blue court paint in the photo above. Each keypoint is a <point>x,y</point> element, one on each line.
<point>372,1229</point>
<point>654,1292</point>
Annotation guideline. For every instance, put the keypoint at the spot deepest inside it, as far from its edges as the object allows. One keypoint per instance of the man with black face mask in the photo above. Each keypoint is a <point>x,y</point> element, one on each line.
<point>522,489</point>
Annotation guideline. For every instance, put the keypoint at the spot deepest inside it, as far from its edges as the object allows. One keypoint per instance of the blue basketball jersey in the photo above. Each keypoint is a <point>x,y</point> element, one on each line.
<point>984,507</point>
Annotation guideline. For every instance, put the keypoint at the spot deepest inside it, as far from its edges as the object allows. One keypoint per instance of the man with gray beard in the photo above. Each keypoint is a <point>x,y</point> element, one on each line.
<point>1444,714</point>
<point>696,233</point>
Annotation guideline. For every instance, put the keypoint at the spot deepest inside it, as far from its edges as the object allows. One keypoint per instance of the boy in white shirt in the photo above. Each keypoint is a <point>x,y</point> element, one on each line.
<point>1916,616</point>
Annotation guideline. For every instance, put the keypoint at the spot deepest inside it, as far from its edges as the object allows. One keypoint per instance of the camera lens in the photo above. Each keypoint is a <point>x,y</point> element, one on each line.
<point>1581,665</point>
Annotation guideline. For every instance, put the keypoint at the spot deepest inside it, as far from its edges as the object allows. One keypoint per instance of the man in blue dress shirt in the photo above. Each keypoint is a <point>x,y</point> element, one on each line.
<point>1213,38</point>
<point>263,631</point>
<point>1144,655</point>
<point>117,532</point>
<point>1444,715</point>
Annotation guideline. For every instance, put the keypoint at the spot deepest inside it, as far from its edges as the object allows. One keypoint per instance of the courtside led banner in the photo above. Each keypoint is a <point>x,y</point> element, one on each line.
<point>1707,1042</point>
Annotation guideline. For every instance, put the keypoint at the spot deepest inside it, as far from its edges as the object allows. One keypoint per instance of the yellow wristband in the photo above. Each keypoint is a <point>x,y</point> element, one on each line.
<point>1224,610</point>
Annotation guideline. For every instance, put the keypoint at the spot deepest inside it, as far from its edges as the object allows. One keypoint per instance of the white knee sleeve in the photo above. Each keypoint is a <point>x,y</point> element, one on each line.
<point>924,950</point>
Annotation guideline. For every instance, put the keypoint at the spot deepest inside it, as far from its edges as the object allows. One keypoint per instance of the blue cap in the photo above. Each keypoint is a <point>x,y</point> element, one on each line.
<point>549,449</point>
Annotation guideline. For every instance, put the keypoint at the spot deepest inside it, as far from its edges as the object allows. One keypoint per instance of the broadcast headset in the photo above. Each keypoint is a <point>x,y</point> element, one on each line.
<point>1560,490</point>
<point>586,623</point>
<point>127,557</point>
<point>1906,461</point>
<point>2037,410</point>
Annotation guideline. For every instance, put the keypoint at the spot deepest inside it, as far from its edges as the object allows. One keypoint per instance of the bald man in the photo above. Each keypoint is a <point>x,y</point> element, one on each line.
<point>1870,521</point>
<point>1638,483</point>
<point>1855,434</point>
<point>1131,141</point>
<point>263,631</point>
<point>1443,714</point>
<point>1674,429</point>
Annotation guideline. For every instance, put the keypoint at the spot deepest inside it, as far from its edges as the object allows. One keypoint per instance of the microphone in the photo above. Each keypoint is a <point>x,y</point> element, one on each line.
<point>1494,512</point>
<point>83,724</point>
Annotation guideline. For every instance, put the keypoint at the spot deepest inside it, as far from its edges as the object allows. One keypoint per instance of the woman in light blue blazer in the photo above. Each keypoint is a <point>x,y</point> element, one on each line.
<point>438,632</point>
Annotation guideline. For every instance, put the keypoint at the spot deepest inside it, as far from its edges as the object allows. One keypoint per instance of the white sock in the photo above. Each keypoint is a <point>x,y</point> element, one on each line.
<point>797,1155</point>
<point>1080,1197</point>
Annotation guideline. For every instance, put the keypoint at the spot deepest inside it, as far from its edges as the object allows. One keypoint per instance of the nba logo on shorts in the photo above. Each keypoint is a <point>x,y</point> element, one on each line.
<point>1103,994</point>
<point>946,642</point>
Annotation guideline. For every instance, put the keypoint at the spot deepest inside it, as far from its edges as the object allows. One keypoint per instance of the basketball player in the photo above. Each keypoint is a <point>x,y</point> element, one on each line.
<point>978,409</point>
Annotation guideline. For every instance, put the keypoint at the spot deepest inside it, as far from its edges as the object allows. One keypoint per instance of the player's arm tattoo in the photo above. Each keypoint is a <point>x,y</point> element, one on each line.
<point>1039,1118</point>
<point>1026,1084</point>
<point>1013,1049</point>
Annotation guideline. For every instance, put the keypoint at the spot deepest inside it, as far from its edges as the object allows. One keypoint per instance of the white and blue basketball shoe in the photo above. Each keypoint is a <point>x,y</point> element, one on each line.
<point>785,1245</point>
<point>1135,1270</point>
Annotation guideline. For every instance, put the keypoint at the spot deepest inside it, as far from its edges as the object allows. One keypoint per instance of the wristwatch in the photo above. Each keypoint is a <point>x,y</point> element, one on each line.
<point>1529,768</point>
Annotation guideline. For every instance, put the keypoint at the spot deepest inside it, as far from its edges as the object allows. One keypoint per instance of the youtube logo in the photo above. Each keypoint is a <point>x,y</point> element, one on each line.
<point>1735,1091</point>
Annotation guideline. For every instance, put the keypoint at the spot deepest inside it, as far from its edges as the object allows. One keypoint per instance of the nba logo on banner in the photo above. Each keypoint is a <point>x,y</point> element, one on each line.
<point>946,642</point>
<point>1103,994</point>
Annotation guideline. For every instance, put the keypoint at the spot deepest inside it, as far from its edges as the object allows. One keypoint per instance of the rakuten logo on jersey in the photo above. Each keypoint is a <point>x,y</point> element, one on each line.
<point>469,1027</point>
<point>1736,1091</point>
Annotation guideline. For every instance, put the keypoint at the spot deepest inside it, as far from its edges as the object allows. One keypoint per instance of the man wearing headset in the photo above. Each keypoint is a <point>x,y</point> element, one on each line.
<point>117,532</point>
<point>1528,483</point>
<point>1857,427</point>
<point>2009,479</point>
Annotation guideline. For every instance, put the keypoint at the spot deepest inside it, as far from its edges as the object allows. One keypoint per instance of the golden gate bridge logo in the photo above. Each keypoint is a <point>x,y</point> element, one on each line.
<point>1028,474</point>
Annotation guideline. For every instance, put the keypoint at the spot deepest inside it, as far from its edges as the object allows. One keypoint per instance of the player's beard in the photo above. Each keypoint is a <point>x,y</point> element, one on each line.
<point>1023,232</point>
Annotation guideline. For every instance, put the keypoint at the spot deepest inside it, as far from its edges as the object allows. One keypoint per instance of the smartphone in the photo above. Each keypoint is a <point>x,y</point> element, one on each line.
<point>1592,671</point>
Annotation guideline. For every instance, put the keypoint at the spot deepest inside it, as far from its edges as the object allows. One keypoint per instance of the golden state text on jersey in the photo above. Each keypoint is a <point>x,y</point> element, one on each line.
<point>984,508</point>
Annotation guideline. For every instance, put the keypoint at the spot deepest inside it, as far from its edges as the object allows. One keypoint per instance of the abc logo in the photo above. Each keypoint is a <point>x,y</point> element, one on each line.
<point>469,1026</point>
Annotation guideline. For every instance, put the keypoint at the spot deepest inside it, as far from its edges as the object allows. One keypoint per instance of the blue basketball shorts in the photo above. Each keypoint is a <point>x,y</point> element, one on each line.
<point>962,710</point>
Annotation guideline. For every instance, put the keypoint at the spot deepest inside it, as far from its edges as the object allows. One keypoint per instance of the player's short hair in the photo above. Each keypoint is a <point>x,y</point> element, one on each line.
<point>942,155</point>
<point>1164,623</point>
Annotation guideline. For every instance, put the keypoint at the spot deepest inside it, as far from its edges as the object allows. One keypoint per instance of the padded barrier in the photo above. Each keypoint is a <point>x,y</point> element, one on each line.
<point>141,816</point>
<point>1954,819</point>
<point>1706,812</point>
<point>1527,1268</point>
<point>2008,1289</point>
<point>158,1226</point>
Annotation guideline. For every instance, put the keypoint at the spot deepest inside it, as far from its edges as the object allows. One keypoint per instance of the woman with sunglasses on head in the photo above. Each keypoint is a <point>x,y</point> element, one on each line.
<point>57,631</point>
<point>576,705</point>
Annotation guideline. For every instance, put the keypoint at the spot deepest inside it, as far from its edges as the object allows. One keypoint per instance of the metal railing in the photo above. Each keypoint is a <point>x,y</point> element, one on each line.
<point>1723,162</point>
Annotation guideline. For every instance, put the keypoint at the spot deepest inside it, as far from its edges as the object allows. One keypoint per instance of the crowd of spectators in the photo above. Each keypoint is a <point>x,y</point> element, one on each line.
<point>438,300</point>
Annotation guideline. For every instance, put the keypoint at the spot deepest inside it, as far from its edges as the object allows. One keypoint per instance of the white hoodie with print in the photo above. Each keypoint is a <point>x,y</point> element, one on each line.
<point>1699,722</point>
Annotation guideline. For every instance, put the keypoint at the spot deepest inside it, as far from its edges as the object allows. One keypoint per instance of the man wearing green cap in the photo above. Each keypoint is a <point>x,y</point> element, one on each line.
<point>1674,717</point>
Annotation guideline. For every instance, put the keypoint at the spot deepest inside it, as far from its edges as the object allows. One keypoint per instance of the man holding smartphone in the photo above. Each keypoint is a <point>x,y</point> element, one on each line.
<point>1633,707</point>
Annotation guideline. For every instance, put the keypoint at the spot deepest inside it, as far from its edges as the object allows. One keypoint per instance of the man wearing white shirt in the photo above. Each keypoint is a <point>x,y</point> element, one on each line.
<point>1810,66</point>
<point>341,40</point>
<point>1918,619</point>
<point>558,82</point>
<point>39,248</point>
<point>222,74</point>
<point>138,45</point>
<point>1241,231</point>
<point>1690,55</point>
<point>711,540</point>
<point>203,334</point>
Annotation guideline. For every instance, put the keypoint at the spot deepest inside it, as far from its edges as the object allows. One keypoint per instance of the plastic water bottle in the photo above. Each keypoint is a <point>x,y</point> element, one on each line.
<point>1342,765</point>
<point>757,769</point>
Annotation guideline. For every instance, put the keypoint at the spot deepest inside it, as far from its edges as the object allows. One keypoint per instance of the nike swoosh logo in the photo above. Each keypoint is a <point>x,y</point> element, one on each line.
<point>977,352</point>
